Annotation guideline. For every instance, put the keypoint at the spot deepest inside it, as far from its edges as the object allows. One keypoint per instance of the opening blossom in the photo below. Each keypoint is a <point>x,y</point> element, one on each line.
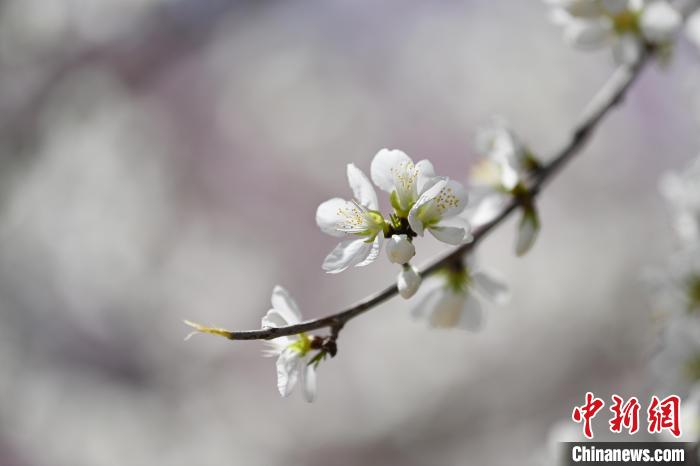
<point>500,176</point>
<point>455,303</point>
<point>293,353</point>
<point>622,24</point>
<point>294,361</point>
<point>428,202</point>
<point>357,220</point>
<point>421,201</point>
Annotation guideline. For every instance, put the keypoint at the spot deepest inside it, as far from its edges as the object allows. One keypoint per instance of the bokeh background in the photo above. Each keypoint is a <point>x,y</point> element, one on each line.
<point>163,159</point>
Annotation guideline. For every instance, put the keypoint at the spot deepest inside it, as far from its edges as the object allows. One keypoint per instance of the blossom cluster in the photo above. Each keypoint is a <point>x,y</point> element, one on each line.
<point>624,25</point>
<point>677,284</point>
<point>422,201</point>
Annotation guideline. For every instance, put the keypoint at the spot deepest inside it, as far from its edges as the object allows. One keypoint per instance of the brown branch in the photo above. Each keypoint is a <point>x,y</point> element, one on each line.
<point>610,95</point>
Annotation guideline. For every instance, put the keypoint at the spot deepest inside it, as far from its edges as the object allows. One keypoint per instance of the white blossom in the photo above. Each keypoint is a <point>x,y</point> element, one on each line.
<point>408,281</point>
<point>621,24</point>
<point>437,211</point>
<point>400,249</point>
<point>676,364</point>
<point>292,352</point>
<point>692,28</point>
<point>357,220</point>
<point>454,301</point>
<point>505,156</point>
<point>682,191</point>
<point>395,173</point>
<point>499,176</point>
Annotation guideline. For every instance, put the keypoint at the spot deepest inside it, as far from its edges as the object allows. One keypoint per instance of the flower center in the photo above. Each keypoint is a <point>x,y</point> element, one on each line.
<point>445,200</point>
<point>302,345</point>
<point>626,21</point>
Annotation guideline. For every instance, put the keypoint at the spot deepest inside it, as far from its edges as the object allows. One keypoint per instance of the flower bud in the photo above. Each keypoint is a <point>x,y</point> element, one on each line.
<point>408,281</point>
<point>400,249</point>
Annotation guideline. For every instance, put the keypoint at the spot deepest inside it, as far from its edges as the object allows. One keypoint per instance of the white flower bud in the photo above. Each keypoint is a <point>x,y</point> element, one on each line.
<point>408,281</point>
<point>399,249</point>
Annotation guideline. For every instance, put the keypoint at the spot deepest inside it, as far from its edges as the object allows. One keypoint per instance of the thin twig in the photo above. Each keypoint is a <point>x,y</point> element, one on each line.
<point>610,95</point>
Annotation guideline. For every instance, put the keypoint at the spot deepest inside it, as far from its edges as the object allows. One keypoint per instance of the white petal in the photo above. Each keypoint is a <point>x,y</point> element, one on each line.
<point>384,164</point>
<point>509,176</point>
<point>692,28</point>
<point>346,254</point>
<point>459,221</point>
<point>408,282</point>
<point>373,252</point>
<point>472,317</point>
<point>426,176</point>
<point>308,382</point>
<point>487,209</point>
<point>588,34</point>
<point>527,233</point>
<point>328,217</point>
<point>447,311</point>
<point>425,305</point>
<point>288,365</point>
<point>362,189</point>
<point>449,235</point>
<point>400,249</point>
<point>627,49</point>
<point>660,22</point>
<point>284,309</point>
<point>490,287</point>
<point>461,195</point>
<point>414,219</point>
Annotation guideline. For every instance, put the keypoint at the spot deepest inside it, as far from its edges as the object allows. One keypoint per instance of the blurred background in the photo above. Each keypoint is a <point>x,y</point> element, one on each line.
<point>163,159</point>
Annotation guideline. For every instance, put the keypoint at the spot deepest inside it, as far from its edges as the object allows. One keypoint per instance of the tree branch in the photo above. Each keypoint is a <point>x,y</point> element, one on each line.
<point>610,95</point>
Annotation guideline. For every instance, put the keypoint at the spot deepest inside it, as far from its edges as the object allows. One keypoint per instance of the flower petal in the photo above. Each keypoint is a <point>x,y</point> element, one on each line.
<point>490,287</point>
<point>450,235</point>
<point>346,254</point>
<point>426,176</point>
<point>308,382</point>
<point>692,28</point>
<point>425,305</point>
<point>660,22</point>
<point>384,165</point>
<point>461,198</point>
<point>288,365</point>
<point>509,176</point>
<point>373,252</point>
<point>588,34</point>
<point>415,219</point>
<point>487,209</point>
<point>362,189</point>
<point>472,317</point>
<point>328,215</point>
<point>284,309</point>
<point>447,311</point>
